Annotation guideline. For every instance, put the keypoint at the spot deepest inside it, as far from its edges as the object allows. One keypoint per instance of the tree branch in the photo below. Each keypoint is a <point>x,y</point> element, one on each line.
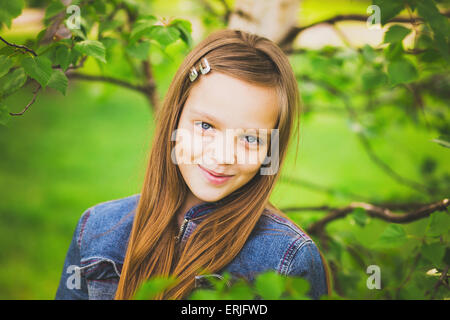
<point>379,213</point>
<point>119,82</point>
<point>35,93</point>
<point>18,46</point>
<point>387,205</point>
<point>441,281</point>
<point>292,34</point>
<point>150,87</point>
<point>228,10</point>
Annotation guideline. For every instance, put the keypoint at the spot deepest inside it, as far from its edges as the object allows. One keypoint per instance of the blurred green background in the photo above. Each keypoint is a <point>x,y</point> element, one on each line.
<point>67,153</point>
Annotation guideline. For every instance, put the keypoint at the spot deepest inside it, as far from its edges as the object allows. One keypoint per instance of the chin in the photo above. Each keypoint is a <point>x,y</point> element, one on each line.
<point>209,195</point>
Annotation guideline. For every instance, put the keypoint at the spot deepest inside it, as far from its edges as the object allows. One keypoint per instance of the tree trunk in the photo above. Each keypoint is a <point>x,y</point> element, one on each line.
<point>268,18</point>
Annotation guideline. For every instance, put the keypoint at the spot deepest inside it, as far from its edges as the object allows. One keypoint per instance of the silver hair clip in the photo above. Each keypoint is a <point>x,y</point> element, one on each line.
<point>207,67</point>
<point>193,75</point>
<point>204,70</point>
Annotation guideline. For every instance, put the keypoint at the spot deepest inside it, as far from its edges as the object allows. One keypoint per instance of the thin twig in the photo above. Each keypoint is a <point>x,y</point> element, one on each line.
<point>38,88</point>
<point>119,82</point>
<point>363,139</point>
<point>441,281</point>
<point>18,46</point>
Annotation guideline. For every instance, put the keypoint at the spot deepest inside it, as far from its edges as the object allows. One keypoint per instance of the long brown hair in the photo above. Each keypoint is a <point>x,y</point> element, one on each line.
<point>152,250</point>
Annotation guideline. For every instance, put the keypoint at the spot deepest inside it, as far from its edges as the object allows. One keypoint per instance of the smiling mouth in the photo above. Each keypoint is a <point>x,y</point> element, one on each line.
<point>215,173</point>
<point>213,178</point>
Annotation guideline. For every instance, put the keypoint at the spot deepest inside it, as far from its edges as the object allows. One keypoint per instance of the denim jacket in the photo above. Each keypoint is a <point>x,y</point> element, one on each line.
<point>96,253</point>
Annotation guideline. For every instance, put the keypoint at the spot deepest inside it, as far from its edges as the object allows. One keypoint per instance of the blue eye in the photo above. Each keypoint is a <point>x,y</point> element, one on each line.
<point>252,139</point>
<point>204,125</point>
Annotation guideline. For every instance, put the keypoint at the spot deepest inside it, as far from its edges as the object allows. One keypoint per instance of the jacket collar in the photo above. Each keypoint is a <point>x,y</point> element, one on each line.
<point>200,210</point>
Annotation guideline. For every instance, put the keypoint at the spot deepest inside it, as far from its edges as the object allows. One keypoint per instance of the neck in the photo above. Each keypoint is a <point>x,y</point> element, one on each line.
<point>190,201</point>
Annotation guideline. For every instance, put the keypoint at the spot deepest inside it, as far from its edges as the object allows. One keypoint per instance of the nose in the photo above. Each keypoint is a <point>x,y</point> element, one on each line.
<point>221,150</point>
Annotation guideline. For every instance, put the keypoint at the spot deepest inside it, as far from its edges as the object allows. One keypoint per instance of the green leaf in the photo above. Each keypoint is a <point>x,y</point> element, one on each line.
<point>92,48</point>
<point>373,79</point>
<point>438,23</point>
<point>9,9</point>
<point>74,56</point>
<point>438,224</point>
<point>204,294</point>
<point>62,57</point>
<point>297,287</point>
<point>431,14</point>
<point>5,65</point>
<point>142,27</point>
<point>368,53</point>
<point>12,82</point>
<point>394,51</point>
<point>401,71</point>
<point>393,235</point>
<point>396,33</point>
<point>434,252</point>
<point>58,81</point>
<point>185,29</point>
<point>151,288</point>
<point>53,9</point>
<point>164,35</point>
<point>269,285</point>
<point>38,68</point>
<point>388,9</point>
<point>240,290</point>
<point>359,215</point>
<point>139,50</point>
<point>7,51</point>
<point>79,33</point>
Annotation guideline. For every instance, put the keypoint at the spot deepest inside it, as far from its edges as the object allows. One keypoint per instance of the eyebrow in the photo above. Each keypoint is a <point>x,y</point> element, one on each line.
<point>207,116</point>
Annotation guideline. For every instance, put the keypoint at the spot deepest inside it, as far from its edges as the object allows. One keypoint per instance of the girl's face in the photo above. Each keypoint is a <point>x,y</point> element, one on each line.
<point>220,145</point>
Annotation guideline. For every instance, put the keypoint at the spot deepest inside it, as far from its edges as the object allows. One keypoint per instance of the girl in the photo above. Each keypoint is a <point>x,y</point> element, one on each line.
<point>221,136</point>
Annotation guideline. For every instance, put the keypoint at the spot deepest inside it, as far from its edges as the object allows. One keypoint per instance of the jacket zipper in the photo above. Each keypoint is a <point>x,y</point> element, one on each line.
<point>182,229</point>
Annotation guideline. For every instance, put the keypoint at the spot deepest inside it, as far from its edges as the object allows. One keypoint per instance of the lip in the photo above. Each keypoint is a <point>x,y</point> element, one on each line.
<point>214,179</point>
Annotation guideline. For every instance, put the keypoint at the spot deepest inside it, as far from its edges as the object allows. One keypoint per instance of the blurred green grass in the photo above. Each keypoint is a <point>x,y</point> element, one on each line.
<point>62,156</point>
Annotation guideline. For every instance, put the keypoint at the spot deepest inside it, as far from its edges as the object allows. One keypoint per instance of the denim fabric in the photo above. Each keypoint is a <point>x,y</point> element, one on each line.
<point>96,253</point>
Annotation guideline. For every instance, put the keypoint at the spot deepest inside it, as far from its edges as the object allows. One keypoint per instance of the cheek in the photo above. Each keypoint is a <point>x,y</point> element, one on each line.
<point>247,171</point>
<point>251,158</point>
<point>188,146</point>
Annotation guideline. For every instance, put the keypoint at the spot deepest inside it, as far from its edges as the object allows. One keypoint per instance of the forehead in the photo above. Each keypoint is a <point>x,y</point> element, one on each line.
<point>233,103</point>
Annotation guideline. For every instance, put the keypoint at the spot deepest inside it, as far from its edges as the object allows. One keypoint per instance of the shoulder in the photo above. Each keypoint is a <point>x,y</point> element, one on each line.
<point>273,244</point>
<point>277,219</point>
<point>288,241</point>
<point>104,228</point>
<point>292,251</point>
